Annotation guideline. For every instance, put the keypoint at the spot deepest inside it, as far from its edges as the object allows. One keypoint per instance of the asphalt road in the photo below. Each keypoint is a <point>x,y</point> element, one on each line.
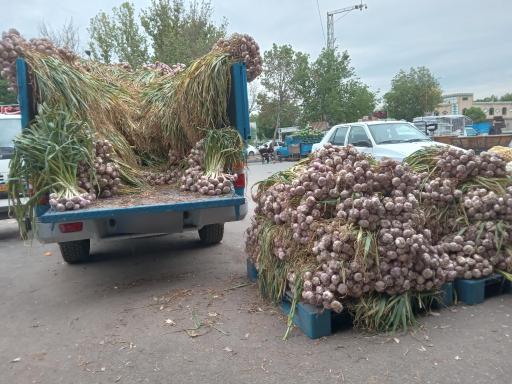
<point>167,310</point>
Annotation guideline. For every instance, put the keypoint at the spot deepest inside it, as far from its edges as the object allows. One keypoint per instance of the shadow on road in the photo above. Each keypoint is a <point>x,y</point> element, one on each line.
<point>141,249</point>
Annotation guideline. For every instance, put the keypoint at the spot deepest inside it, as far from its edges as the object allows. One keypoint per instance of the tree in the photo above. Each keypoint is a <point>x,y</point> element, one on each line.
<point>332,93</point>
<point>489,98</point>
<point>118,37</point>
<point>179,35</point>
<point>269,108</point>
<point>66,37</point>
<point>131,44</point>
<point>476,114</point>
<point>412,94</point>
<point>102,44</point>
<point>506,97</point>
<point>6,96</point>
<point>253,90</point>
<point>279,66</point>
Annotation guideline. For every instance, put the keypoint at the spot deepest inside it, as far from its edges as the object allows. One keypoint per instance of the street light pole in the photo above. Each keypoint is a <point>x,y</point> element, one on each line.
<point>330,21</point>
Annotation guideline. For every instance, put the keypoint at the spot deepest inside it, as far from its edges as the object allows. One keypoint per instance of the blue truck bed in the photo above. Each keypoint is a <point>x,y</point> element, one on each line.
<point>159,212</point>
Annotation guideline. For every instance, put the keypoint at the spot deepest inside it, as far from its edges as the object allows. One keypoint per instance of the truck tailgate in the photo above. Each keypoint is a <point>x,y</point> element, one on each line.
<point>145,209</point>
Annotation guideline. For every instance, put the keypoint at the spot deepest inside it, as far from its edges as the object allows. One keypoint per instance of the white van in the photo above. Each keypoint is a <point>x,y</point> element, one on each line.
<point>10,127</point>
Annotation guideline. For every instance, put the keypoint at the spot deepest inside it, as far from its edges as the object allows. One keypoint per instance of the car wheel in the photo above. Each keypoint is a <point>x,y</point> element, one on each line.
<point>251,153</point>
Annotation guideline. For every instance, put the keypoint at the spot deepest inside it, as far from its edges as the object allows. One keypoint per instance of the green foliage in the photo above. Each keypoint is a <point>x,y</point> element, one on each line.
<point>102,44</point>
<point>175,33</point>
<point>412,94</point>
<point>307,132</point>
<point>298,92</point>
<point>476,114</point>
<point>489,98</point>
<point>6,96</point>
<point>130,42</point>
<point>118,36</point>
<point>331,92</point>
<point>278,106</point>
<point>47,154</point>
<point>377,312</point>
<point>266,120</point>
<point>179,35</point>
<point>223,150</point>
<point>506,97</point>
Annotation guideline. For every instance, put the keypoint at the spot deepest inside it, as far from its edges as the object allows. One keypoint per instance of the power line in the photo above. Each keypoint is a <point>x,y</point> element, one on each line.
<point>320,17</point>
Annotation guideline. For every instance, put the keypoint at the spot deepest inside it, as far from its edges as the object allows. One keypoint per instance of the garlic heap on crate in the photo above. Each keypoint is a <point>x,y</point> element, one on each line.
<point>337,197</point>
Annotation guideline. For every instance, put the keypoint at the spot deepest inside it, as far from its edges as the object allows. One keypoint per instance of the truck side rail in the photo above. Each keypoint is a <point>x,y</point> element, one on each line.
<point>96,213</point>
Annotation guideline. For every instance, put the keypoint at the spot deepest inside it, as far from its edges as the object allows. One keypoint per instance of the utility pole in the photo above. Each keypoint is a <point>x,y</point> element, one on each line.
<point>330,21</point>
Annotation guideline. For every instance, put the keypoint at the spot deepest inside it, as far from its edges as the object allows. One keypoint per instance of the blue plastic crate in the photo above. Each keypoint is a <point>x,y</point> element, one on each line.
<point>446,298</point>
<point>316,322</point>
<point>475,291</point>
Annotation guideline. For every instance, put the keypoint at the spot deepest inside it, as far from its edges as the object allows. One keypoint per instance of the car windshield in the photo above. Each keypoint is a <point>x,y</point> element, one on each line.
<point>9,129</point>
<point>391,133</point>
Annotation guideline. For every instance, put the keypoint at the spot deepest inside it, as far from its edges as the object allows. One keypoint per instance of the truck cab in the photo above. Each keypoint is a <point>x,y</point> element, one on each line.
<point>10,127</point>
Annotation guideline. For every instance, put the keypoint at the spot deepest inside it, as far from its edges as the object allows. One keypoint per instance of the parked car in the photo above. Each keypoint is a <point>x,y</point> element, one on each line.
<point>250,150</point>
<point>391,139</point>
<point>10,127</point>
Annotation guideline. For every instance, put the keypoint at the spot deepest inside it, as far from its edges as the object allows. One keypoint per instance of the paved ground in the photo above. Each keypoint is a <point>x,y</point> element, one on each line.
<point>167,310</point>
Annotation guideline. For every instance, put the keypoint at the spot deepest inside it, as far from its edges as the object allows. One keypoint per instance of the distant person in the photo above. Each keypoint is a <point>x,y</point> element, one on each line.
<point>265,156</point>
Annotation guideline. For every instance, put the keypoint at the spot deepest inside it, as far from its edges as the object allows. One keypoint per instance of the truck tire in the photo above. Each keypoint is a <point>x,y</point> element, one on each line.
<point>74,252</point>
<point>211,234</point>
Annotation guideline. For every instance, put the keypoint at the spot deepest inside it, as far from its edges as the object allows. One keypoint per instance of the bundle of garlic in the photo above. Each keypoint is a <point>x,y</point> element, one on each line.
<point>164,69</point>
<point>13,45</point>
<point>195,180</point>
<point>243,47</point>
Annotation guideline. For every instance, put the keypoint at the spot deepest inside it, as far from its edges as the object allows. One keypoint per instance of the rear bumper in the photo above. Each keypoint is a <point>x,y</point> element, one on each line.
<point>137,223</point>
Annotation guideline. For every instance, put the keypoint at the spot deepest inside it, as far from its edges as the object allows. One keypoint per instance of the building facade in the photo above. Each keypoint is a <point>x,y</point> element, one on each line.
<point>457,103</point>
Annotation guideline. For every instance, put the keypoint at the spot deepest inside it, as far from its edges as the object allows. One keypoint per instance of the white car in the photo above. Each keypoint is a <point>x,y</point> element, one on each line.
<point>391,139</point>
<point>10,127</point>
<point>251,150</point>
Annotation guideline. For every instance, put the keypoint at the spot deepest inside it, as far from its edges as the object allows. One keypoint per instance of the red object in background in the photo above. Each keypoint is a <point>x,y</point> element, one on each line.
<point>380,114</point>
<point>10,109</point>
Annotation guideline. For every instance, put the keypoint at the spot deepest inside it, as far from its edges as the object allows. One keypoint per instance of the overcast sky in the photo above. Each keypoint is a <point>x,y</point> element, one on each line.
<point>467,44</point>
